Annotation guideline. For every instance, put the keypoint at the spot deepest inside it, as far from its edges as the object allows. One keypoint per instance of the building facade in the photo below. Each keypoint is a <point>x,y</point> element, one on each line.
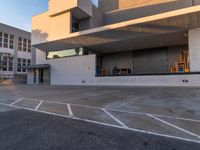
<point>120,42</point>
<point>15,52</point>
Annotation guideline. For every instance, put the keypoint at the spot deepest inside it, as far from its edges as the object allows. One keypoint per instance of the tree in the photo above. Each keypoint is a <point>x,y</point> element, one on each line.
<point>5,59</point>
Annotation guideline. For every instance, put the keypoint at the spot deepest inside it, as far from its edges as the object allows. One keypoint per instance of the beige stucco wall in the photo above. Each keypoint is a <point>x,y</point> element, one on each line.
<point>60,26</point>
<point>59,6</point>
<point>46,28</point>
<point>41,28</point>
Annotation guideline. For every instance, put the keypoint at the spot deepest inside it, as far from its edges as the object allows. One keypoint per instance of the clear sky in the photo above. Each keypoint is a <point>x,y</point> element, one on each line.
<point>18,13</point>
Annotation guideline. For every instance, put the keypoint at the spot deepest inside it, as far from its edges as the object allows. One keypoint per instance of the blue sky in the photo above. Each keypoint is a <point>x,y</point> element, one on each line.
<point>18,13</point>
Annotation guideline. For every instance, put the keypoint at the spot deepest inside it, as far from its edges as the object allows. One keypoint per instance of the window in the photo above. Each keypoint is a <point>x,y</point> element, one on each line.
<point>20,44</point>
<point>19,64</point>
<point>24,64</point>
<point>11,41</point>
<point>24,45</point>
<point>10,64</point>
<point>5,40</point>
<point>1,39</point>
<point>5,60</point>
<point>75,24</point>
<point>67,53</point>
<point>29,46</point>
<point>28,62</point>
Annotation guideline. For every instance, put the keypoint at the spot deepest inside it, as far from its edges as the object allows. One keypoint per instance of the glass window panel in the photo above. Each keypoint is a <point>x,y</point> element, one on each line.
<point>29,45</point>
<point>20,44</point>
<point>24,45</point>
<point>5,40</point>
<point>11,42</point>
<point>1,39</point>
<point>66,53</point>
<point>19,64</point>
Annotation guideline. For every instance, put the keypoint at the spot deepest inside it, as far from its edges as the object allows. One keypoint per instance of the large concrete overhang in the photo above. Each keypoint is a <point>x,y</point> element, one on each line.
<point>153,31</point>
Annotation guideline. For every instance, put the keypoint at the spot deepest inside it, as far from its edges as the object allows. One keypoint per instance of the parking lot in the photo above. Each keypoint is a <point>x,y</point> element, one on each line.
<point>168,113</point>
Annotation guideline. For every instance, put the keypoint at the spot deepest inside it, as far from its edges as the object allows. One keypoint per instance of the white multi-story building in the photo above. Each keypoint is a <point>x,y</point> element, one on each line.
<point>15,52</point>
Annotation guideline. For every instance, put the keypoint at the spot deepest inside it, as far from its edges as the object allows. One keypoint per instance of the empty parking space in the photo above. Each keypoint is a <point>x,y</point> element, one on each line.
<point>54,108</point>
<point>118,107</point>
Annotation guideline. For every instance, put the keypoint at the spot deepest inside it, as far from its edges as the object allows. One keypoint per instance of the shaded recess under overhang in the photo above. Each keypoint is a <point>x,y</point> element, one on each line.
<point>166,29</point>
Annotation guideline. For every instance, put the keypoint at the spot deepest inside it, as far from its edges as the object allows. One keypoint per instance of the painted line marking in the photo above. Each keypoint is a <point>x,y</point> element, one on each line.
<point>113,117</point>
<point>174,126</point>
<point>109,125</point>
<point>131,112</point>
<point>16,102</point>
<point>38,106</point>
<point>70,110</point>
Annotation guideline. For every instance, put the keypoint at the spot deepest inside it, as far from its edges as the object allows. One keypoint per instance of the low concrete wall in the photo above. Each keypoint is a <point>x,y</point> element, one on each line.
<point>154,80</point>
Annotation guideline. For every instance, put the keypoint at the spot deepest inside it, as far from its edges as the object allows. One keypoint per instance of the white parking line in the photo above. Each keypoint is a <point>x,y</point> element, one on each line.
<point>70,110</point>
<point>174,126</point>
<point>109,125</point>
<point>38,106</point>
<point>170,117</point>
<point>113,117</point>
<point>15,102</point>
<point>122,111</point>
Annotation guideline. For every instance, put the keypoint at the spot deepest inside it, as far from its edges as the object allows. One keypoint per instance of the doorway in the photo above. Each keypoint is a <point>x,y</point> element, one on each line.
<point>41,75</point>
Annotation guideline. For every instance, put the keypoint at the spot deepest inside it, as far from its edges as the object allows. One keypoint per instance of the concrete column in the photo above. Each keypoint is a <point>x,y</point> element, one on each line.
<point>194,49</point>
<point>30,76</point>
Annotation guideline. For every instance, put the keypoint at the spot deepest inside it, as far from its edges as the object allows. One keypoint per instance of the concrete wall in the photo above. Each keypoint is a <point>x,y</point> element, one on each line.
<point>119,60</point>
<point>150,61</point>
<point>95,21</point>
<point>108,5</point>
<point>78,70</point>
<point>86,6</point>
<point>135,9</point>
<point>30,76</point>
<point>194,49</point>
<point>40,57</point>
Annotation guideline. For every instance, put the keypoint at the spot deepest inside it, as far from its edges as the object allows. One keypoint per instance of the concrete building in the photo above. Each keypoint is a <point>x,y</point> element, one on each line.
<point>15,52</point>
<point>120,42</point>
